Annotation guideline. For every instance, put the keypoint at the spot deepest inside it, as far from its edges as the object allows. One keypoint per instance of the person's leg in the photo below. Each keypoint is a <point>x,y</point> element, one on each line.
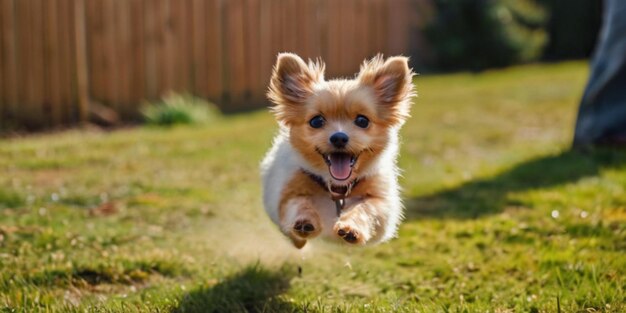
<point>602,113</point>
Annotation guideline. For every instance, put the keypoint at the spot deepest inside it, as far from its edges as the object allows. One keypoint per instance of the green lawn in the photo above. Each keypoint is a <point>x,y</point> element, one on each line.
<point>500,217</point>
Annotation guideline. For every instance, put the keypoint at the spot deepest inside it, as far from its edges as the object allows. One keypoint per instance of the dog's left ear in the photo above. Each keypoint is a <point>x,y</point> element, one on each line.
<point>392,82</point>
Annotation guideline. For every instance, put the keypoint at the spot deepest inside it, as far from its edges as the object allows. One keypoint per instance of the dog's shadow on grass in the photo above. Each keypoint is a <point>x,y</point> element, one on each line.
<point>253,289</point>
<point>489,196</point>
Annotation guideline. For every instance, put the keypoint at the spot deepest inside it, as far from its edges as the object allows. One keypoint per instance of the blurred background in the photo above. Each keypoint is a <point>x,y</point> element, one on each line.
<point>68,62</point>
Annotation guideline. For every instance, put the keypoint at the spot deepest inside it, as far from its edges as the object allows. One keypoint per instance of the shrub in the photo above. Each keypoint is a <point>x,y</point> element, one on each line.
<point>179,109</point>
<point>573,28</point>
<point>477,34</point>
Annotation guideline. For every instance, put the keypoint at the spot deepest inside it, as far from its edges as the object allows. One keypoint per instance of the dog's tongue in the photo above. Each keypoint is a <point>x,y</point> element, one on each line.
<point>340,167</point>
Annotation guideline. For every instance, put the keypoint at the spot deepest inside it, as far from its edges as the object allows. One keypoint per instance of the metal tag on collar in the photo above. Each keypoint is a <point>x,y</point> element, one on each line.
<point>339,203</point>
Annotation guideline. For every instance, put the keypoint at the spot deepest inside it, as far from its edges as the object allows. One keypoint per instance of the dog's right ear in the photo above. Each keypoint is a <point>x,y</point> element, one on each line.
<point>292,83</point>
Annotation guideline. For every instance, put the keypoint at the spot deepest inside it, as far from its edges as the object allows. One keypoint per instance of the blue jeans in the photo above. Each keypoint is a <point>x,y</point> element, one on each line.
<point>602,112</point>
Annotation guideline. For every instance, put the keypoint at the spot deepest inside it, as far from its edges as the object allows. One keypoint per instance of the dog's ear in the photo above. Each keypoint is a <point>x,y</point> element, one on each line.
<point>293,79</point>
<point>392,82</point>
<point>390,79</point>
<point>292,83</point>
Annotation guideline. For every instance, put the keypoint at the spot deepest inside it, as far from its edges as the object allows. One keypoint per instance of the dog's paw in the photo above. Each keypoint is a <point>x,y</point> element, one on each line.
<point>305,228</point>
<point>350,234</point>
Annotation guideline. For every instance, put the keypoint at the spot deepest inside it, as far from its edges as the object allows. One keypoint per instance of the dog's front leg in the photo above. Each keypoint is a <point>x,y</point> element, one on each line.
<point>362,222</point>
<point>299,220</point>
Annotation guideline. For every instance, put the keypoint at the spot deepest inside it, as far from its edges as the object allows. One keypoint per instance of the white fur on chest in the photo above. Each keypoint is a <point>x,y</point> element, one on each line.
<point>277,168</point>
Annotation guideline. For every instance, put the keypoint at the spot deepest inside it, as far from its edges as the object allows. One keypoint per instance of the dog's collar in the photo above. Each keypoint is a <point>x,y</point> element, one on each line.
<point>337,192</point>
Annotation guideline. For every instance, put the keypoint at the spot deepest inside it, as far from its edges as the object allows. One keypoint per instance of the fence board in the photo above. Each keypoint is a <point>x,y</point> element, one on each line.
<point>176,45</point>
<point>252,38</point>
<point>289,26</point>
<point>9,71</point>
<point>151,46</point>
<point>311,29</point>
<point>162,46</point>
<point>399,25</point>
<point>66,60</point>
<point>23,50</point>
<point>123,33</point>
<point>361,21</point>
<point>275,30</point>
<point>96,49</point>
<point>39,115</point>
<point>198,49</point>
<point>237,82</point>
<point>187,56</point>
<point>323,21</point>
<point>333,59</point>
<point>3,108</point>
<point>213,40</point>
<point>110,47</point>
<point>265,47</point>
<point>137,73</point>
<point>80,64</point>
<point>51,55</point>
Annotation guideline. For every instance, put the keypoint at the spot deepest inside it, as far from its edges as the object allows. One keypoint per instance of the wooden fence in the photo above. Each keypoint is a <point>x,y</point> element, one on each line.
<point>61,61</point>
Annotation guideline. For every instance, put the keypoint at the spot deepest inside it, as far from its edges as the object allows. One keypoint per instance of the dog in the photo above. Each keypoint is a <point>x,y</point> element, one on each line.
<point>331,171</point>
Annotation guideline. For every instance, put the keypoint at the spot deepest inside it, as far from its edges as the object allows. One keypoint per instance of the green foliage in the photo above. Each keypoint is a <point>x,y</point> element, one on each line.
<point>468,34</point>
<point>573,28</point>
<point>500,215</point>
<point>176,109</point>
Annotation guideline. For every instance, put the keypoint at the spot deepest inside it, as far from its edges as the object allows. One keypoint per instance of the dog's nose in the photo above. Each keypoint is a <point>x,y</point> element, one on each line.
<point>339,140</point>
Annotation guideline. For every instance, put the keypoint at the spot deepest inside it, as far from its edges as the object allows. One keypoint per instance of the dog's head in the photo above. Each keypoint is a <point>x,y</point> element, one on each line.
<point>341,125</point>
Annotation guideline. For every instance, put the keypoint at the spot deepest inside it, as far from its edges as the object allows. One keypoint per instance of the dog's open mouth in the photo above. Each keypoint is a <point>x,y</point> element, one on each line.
<point>340,164</point>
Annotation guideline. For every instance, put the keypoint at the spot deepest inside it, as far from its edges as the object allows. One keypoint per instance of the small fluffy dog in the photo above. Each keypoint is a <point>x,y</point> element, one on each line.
<point>332,168</point>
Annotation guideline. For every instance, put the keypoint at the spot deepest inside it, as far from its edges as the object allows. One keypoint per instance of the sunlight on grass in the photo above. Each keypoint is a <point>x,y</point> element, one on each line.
<point>170,220</point>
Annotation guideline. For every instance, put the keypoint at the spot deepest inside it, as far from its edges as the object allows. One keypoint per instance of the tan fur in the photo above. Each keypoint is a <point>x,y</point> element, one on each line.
<point>366,217</point>
<point>300,187</point>
<point>381,92</point>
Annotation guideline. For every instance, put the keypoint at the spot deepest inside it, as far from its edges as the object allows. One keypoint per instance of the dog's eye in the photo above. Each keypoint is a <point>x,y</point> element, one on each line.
<point>317,121</point>
<point>361,121</point>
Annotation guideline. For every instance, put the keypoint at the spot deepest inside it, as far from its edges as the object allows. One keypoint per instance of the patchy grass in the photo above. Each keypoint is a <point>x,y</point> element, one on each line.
<point>501,216</point>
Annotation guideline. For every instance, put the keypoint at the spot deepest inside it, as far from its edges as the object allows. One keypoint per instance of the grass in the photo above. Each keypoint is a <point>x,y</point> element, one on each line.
<point>501,216</point>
